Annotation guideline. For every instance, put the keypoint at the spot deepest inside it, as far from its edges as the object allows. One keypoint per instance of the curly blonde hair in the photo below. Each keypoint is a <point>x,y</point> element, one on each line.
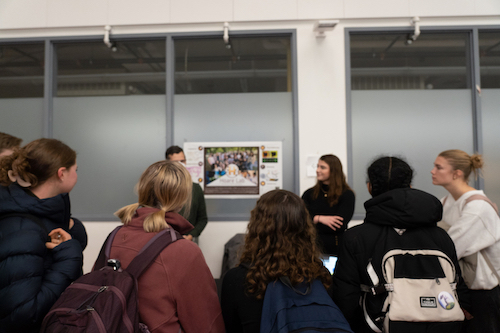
<point>281,241</point>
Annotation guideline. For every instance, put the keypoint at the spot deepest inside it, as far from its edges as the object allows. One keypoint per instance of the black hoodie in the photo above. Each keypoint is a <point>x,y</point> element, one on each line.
<point>416,212</point>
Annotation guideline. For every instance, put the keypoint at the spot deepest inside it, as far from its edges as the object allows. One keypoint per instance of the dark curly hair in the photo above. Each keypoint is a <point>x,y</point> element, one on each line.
<point>281,241</point>
<point>387,173</point>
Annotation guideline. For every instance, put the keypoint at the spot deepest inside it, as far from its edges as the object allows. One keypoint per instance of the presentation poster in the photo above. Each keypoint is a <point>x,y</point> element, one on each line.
<point>235,169</point>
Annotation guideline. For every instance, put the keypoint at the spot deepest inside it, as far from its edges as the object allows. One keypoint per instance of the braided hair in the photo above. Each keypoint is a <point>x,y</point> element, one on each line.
<point>387,173</point>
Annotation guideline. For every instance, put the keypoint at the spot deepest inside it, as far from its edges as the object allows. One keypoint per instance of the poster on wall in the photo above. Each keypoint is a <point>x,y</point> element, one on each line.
<point>235,169</point>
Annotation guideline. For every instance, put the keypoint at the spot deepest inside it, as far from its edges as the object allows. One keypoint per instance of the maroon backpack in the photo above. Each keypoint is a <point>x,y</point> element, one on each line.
<point>105,300</point>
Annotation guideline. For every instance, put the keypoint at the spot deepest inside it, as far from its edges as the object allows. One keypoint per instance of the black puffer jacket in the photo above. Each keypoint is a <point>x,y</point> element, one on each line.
<point>31,276</point>
<point>416,211</point>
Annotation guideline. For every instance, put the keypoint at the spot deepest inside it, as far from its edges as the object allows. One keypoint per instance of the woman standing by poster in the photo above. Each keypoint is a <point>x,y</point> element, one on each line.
<point>330,203</point>
<point>472,222</point>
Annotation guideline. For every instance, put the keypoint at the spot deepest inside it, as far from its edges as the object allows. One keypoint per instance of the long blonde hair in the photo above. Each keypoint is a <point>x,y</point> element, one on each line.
<point>165,185</point>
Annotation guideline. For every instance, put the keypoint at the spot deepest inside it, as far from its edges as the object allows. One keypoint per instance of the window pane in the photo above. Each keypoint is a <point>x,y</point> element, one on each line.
<point>22,117</point>
<point>21,70</point>
<point>489,55</point>
<point>489,44</point>
<point>416,123</point>
<point>116,139</point>
<point>204,66</point>
<point>246,90</point>
<point>387,61</point>
<point>93,69</point>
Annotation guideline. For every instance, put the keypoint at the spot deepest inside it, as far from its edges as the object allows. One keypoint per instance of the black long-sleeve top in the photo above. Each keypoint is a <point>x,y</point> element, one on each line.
<point>329,239</point>
<point>241,312</point>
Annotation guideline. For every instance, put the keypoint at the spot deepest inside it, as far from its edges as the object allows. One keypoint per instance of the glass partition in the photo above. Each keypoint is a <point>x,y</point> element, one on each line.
<point>410,100</point>
<point>245,64</point>
<point>111,108</point>
<point>127,68</point>
<point>21,90</point>
<point>489,52</point>
<point>235,92</point>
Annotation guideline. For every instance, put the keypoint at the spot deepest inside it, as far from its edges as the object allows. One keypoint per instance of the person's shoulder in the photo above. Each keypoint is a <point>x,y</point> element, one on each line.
<point>307,194</point>
<point>476,203</point>
<point>348,194</point>
<point>236,274</point>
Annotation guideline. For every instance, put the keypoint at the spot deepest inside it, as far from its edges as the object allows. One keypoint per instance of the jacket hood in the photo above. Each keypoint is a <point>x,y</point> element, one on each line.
<point>175,220</point>
<point>404,208</point>
<point>15,199</point>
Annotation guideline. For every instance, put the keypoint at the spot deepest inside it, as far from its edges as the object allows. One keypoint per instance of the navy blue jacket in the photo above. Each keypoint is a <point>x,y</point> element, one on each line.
<point>31,276</point>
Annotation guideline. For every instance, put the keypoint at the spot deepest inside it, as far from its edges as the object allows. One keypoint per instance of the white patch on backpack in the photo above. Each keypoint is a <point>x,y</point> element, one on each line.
<point>446,300</point>
<point>428,302</point>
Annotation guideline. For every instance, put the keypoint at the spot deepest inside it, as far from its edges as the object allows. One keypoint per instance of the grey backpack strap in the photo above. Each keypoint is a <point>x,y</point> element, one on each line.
<point>495,207</point>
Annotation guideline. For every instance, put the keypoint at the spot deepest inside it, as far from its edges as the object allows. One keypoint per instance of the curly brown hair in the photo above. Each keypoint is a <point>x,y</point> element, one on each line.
<point>8,141</point>
<point>37,162</point>
<point>281,241</point>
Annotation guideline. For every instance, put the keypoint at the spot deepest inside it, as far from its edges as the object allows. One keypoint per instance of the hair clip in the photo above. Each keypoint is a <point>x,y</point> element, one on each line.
<point>15,178</point>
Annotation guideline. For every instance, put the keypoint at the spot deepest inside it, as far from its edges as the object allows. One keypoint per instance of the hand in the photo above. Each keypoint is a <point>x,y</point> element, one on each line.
<point>57,236</point>
<point>188,237</point>
<point>334,222</point>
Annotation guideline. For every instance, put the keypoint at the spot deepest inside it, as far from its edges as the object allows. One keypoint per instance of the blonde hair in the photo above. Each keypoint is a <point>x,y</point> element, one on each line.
<point>460,160</point>
<point>165,185</point>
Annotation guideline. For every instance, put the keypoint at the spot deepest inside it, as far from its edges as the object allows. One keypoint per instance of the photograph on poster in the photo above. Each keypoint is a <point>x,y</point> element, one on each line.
<point>235,169</point>
<point>231,170</point>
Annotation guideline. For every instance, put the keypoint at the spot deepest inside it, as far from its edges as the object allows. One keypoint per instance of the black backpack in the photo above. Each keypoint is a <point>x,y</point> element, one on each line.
<point>304,308</point>
<point>105,300</point>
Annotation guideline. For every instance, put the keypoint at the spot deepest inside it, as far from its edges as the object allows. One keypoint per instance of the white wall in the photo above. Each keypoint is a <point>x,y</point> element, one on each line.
<point>321,62</point>
<point>22,14</point>
<point>211,242</point>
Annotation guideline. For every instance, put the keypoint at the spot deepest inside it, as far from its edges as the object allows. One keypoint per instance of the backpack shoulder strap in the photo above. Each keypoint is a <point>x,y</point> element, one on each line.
<point>105,250</point>
<point>481,197</point>
<point>495,207</point>
<point>151,250</point>
<point>31,217</point>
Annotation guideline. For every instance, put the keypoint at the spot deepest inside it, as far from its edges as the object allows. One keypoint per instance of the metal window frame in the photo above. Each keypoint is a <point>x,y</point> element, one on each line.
<point>473,68</point>
<point>50,81</point>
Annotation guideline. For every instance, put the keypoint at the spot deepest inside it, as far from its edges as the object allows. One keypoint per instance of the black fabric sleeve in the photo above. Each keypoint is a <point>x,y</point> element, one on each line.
<point>79,233</point>
<point>347,282</point>
<point>346,207</point>
<point>242,313</point>
<point>201,211</point>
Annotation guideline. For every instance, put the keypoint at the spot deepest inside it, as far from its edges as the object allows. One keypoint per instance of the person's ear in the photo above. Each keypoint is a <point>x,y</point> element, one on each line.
<point>458,174</point>
<point>369,187</point>
<point>60,173</point>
